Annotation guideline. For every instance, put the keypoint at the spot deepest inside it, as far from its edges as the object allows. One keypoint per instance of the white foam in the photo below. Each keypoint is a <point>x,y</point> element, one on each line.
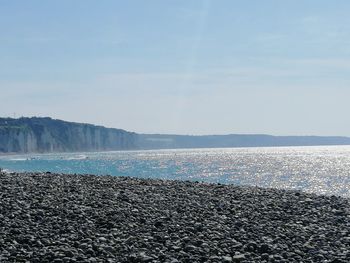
<point>19,159</point>
<point>79,157</point>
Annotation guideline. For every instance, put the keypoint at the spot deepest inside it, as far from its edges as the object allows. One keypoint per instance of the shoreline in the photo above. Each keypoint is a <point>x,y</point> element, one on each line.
<point>4,154</point>
<point>48,217</point>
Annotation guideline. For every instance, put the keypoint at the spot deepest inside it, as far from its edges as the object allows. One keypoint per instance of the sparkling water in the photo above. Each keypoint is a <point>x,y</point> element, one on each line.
<point>321,170</point>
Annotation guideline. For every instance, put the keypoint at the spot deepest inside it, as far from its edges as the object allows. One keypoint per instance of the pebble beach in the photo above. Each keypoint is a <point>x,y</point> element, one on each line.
<point>47,217</point>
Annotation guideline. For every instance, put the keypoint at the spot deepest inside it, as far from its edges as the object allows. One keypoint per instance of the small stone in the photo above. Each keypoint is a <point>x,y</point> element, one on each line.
<point>158,224</point>
<point>238,257</point>
<point>265,256</point>
<point>251,247</point>
<point>264,248</point>
<point>69,253</point>
<point>227,259</point>
<point>189,248</point>
<point>176,248</point>
<point>144,258</point>
<point>277,258</point>
<point>102,239</point>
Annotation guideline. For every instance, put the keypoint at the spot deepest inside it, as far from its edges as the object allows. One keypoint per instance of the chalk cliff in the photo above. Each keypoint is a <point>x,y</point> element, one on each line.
<point>42,135</point>
<point>25,135</point>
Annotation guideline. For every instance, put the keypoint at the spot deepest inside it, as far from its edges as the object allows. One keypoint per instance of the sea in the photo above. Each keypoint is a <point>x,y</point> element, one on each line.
<point>320,170</point>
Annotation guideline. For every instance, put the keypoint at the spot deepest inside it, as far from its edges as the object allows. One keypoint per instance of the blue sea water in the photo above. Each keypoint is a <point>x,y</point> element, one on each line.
<point>321,170</point>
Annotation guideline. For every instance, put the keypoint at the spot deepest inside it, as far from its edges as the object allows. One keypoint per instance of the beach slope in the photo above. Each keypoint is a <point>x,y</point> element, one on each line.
<point>86,218</point>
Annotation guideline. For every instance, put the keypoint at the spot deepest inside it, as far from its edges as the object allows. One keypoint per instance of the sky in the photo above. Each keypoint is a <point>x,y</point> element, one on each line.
<point>179,66</point>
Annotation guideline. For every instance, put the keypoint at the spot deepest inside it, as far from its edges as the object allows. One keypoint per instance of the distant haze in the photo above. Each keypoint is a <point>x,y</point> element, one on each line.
<point>179,67</point>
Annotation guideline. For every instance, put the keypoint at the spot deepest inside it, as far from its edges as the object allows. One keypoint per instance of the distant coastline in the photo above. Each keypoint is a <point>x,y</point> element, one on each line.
<point>46,135</point>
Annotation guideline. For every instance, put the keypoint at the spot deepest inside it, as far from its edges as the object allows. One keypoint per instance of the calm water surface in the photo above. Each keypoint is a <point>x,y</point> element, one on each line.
<point>322,170</point>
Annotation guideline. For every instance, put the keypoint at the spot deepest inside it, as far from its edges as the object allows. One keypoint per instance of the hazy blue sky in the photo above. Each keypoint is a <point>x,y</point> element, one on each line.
<point>173,66</point>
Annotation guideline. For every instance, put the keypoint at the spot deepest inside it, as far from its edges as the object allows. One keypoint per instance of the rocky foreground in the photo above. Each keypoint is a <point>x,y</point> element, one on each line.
<point>85,218</point>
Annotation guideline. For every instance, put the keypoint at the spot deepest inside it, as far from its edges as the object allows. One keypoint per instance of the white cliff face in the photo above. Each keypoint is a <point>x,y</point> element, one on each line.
<point>17,140</point>
<point>30,143</point>
<point>47,135</point>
